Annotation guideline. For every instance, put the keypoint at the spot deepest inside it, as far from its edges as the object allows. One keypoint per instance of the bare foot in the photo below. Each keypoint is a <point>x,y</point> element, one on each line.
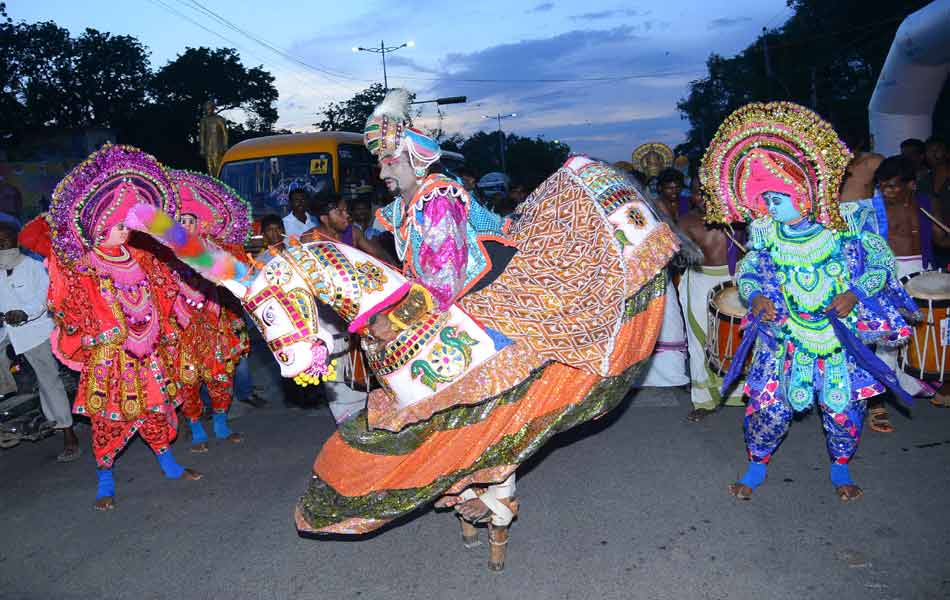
<point>472,510</point>
<point>104,504</point>
<point>848,493</point>
<point>191,475</point>
<point>199,448</point>
<point>235,438</point>
<point>740,491</point>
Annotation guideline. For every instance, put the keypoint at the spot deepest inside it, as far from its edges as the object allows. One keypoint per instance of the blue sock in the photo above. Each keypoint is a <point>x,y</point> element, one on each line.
<point>106,487</point>
<point>840,474</point>
<point>754,475</point>
<point>198,434</point>
<point>172,469</point>
<point>220,422</point>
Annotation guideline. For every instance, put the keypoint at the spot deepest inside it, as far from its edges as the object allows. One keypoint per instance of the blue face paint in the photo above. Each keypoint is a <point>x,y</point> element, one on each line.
<point>781,207</point>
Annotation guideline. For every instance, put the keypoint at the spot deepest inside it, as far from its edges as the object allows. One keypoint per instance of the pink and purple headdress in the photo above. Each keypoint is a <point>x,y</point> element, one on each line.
<point>779,147</point>
<point>221,212</point>
<point>98,194</point>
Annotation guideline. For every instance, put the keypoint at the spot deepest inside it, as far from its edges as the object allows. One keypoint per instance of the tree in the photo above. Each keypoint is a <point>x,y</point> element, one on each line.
<point>529,161</point>
<point>179,91</point>
<point>826,56</point>
<point>51,79</point>
<point>352,114</point>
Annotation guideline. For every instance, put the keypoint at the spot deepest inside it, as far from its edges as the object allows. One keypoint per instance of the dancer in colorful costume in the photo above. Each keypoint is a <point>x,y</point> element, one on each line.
<point>478,366</point>
<point>213,336</point>
<point>779,166</point>
<point>112,304</point>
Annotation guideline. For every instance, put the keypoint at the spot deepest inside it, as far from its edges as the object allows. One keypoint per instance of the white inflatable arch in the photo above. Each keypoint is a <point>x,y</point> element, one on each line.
<point>911,80</point>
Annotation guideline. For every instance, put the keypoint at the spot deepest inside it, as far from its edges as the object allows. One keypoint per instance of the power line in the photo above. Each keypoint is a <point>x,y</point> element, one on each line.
<point>230,42</point>
<point>195,5</point>
<point>258,40</point>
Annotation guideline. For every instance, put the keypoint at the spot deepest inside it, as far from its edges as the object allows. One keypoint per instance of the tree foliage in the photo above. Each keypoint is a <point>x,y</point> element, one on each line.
<point>51,79</point>
<point>179,91</point>
<point>351,115</point>
<point>826,56</point>
<point>529,161</point>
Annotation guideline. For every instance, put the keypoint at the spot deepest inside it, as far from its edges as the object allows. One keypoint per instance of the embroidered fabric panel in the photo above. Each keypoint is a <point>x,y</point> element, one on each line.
<point>560,238</point>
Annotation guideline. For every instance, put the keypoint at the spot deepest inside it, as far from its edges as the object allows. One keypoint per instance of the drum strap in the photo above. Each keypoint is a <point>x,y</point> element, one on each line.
<point>868,361</point>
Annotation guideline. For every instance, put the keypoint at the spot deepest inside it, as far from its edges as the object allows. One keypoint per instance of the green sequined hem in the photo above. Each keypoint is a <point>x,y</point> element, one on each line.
<point>356,433</point>
<point>321,506</point>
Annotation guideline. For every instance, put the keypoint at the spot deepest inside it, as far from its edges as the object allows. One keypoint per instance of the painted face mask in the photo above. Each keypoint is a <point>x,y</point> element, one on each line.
<point>781,207</point>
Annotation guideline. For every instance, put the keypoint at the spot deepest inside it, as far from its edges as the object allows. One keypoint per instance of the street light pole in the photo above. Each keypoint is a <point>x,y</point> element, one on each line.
<point>383,49</point>
<point>501,137</point>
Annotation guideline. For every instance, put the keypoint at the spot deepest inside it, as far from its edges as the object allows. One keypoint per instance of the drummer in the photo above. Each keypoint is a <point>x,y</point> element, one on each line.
<point>719,265</point>
<point>912,236</point>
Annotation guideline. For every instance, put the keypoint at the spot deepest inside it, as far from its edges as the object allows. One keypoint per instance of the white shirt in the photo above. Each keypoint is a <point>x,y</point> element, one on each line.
<point>25,289</point>
<point>293,226</point>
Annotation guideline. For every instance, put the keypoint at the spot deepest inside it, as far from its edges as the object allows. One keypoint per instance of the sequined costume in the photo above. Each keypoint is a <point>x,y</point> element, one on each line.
<point>112,305</point>
<point>214,336</point>
<point>801,271</point>
<point>560,331</point>
<point>443,236</point>
<point>779,166</point>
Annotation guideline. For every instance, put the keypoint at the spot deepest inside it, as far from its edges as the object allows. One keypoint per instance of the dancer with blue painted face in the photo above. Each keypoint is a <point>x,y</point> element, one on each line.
<point>779,166</point>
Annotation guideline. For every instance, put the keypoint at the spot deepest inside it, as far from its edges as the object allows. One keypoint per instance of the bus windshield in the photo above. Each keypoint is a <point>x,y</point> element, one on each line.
<point>265,182</point>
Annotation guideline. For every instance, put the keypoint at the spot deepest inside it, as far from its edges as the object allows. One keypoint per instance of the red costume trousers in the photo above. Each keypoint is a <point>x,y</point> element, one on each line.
<point>219,391</point>
<point>109,437</point>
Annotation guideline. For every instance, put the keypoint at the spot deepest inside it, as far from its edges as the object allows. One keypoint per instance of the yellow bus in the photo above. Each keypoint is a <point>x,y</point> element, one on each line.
<point>263,169</point>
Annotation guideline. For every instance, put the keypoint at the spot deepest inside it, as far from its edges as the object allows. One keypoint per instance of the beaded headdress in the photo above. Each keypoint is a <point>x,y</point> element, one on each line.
<point>98,194</point>
<point>779,147</point>
<point>221,212</point>
<point>388,133</point>
<point>652,157</point>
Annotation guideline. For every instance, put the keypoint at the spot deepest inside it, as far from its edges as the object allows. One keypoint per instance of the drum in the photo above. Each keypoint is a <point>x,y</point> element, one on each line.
<point>927,356</point>
<point>725,312</point>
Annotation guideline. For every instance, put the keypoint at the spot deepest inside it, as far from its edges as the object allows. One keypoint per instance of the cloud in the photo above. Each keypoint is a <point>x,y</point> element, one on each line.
<point>608,14</point>
<point>603,118</point>
<point>543,7</point>
<point>724,22</point>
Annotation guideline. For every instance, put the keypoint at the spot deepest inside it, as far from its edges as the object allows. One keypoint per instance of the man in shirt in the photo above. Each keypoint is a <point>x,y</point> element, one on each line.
<point>299,220</point>
<point>27,327</point>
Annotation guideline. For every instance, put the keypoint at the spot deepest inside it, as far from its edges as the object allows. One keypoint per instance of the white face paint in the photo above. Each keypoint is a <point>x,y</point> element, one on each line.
<point>398,175</point>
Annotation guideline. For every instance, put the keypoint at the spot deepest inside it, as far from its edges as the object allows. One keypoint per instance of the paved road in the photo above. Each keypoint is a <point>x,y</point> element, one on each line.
<point>633,506</point>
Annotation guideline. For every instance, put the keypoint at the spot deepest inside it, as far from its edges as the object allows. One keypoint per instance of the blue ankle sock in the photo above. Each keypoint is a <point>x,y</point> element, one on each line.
<point>220,422</point>
<point>198,434</point>
<point>106,487</point>
<point>840,474</point>
<point>754,475</point>
<point>171,468</point>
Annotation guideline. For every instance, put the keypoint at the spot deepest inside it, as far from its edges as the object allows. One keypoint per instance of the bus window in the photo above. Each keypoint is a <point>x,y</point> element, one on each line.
<point>265,182</point>
<point>356,170</point>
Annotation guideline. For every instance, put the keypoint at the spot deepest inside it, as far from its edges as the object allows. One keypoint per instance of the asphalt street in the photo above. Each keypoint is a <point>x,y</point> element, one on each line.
<point>631,506</point>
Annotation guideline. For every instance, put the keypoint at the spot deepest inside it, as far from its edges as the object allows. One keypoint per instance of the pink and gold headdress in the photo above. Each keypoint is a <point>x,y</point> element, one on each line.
<point>779,147</point>
<point>222,213</point>
<point>98,194</point>
<point>388,133</point>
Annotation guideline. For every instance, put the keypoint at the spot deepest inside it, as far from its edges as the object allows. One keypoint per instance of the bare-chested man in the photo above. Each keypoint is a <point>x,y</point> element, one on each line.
<point>912,236</point>
<point>667,366</point>
<point>694,287</point>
